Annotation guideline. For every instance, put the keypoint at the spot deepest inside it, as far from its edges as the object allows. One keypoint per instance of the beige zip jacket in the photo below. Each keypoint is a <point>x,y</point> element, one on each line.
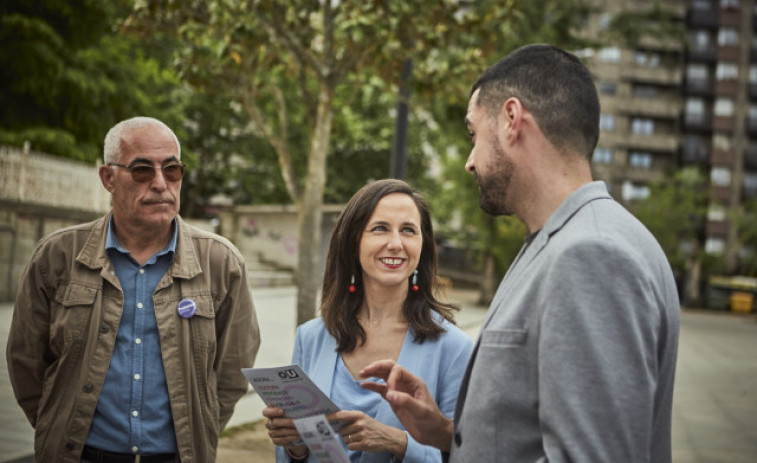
<point>64,328</point>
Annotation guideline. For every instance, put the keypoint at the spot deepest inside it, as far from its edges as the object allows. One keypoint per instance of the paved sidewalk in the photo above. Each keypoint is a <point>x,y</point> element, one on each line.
<point>715,405</point>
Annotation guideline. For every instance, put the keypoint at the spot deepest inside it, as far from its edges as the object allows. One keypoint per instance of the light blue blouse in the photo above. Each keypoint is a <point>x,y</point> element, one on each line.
<point>440,363</point>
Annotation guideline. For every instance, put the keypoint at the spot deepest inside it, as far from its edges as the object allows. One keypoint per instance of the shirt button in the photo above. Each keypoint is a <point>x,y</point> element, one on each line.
<point>135,449</point>
<point>138,341</point>
<point>88,388</point>
<point>141,270</point>
<point>139,305</point>
<point>135,413</point>
<point>137,376</point>
<point>104,328</point>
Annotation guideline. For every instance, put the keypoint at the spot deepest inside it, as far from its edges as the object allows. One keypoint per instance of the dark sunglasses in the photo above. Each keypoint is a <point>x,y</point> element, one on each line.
<point>142,173</point>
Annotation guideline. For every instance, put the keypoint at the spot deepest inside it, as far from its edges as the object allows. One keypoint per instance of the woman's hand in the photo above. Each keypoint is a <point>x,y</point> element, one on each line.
<point>364,433</point>
<point>283,432</point>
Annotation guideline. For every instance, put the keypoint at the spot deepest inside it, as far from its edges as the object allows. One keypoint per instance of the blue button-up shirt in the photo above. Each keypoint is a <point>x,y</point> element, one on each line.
<point>133,412</point>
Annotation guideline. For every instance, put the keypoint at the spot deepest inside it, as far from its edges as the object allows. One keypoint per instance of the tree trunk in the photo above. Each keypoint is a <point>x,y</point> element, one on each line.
<point>691,286</point>
<point>309,209</point>
<point>486,288</point>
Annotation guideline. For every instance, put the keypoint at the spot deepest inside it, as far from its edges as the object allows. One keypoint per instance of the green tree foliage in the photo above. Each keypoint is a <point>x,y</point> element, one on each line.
<point>746,221</point>
<point>66,76</point>
<point>675,212</point>
<point>292,66</point>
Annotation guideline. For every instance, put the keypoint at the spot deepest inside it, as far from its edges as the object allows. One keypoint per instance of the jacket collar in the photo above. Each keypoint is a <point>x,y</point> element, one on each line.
<point>185,263</point>
<point>583,195</point>
<point>578,199</point>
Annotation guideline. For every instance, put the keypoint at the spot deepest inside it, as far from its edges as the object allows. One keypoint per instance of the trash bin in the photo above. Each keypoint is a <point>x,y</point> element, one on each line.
<point>741,302</point>
<point>718,293</point>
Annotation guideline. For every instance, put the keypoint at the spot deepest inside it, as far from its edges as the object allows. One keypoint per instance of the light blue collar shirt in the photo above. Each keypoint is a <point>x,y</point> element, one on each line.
<point>133,413</point>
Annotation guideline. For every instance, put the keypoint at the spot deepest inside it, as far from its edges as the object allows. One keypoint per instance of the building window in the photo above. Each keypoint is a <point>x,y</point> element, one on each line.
<point>753,74</point>
<point>651,60</point>
<point>723,107</point>
<point>604,20</point>
<point>606,122</point>
<point>727,71</point>
<point>732,5</point>
<point>720,176</point>
<point>701,4</point>
<point>714,246</point>
<point>602,156</point>
<point>642,126</point>
<point>721,142</point>
<point>697,72</point>
<point>716,213</point>
<point>645,91</point>
<point>694,110</point>
<point>634,191</point>
<point>608,88</point>
<point>728,36</point>
<point>640,160</point>
<point>700,39</point>
<point>750,185</point>
<point>609,55</point>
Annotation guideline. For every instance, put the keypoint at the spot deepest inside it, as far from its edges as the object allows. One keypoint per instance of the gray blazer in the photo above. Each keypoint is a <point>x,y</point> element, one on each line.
<point>576,358</point>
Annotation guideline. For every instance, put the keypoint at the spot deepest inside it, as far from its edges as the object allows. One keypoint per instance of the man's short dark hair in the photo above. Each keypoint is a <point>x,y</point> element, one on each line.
<point>554,86</point>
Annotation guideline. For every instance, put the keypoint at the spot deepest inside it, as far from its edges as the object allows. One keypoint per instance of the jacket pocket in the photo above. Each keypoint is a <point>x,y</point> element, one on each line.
<point>71,314</point>
<point>512,337</point>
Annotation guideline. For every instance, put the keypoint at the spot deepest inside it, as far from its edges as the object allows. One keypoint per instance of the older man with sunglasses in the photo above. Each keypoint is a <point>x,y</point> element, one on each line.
<point>129,332</point>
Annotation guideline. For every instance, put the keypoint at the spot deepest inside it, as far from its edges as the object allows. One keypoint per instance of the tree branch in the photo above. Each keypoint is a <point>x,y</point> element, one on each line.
<point>280,143</point>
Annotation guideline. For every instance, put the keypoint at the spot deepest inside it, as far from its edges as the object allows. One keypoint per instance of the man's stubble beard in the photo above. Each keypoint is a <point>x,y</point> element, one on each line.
<point>493,188</point>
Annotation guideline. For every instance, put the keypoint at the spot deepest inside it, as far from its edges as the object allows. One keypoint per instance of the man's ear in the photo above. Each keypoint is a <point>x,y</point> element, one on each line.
<point>512,118</point>
<point>107,177</point>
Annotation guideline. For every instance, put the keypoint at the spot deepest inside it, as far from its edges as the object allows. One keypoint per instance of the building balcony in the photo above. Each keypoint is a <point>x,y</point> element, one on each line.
<point>723,123</point>
<point>697,155</point>
<point>722,158</point>
<point>644,176</point>
<point>697,122</point>
<point>660,108</point>
<point>663,44</point>
<point>705,19</point>
<point>717,227</point>
<point>720,193</point>
<point>660,75</point>
<point>707,54</point>
<point>730,18</point>
<point>700,87</point>
<point>728,53</point>
<point>751,126</point>
<point>663,143</point>
<point>750,158</point>
<point>726,87</point>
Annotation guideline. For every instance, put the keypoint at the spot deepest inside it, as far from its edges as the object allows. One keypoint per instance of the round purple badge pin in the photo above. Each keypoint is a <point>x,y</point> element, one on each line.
<point>187,308</point>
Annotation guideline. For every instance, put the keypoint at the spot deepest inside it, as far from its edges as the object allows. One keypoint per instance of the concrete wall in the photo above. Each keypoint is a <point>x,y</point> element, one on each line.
<point>39,194</point>
<point>267,235</point>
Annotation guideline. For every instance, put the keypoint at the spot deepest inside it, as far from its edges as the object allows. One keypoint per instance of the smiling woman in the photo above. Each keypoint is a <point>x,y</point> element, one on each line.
<point>378,303</point>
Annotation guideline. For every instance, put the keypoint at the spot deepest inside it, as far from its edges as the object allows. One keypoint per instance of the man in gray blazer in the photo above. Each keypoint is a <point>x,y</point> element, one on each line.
<point>576,358</point>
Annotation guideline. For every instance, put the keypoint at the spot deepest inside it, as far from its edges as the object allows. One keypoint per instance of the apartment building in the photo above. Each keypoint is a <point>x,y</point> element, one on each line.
<point>668,104</point>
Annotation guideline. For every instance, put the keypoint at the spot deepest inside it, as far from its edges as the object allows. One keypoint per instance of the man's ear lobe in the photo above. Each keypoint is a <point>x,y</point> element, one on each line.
<point>106,177</point>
